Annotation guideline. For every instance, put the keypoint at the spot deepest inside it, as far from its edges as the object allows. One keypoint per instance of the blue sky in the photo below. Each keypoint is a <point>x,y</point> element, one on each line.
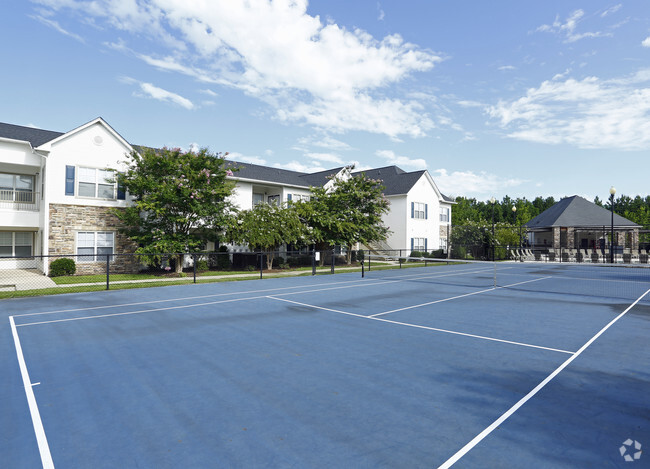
<point>512,97</point>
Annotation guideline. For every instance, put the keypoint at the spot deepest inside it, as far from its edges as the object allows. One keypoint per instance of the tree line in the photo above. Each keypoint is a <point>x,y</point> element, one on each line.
<point>468,210</point>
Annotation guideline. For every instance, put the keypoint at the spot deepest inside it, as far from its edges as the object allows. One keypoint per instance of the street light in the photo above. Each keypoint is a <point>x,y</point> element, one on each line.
<point>612,191</point>
<point>514,216</point>
<point>493,201</point>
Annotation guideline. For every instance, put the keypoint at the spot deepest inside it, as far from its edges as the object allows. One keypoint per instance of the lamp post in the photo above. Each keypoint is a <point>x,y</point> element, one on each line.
<point>493,201</point>
<point>612,191</point>
<point>514,216</point>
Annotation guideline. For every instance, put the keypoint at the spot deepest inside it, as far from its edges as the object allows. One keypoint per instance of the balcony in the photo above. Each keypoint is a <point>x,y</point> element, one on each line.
<point>19,200</point>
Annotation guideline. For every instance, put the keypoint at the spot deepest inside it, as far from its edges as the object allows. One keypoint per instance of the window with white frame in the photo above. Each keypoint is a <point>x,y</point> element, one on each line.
<point>418,244</point>
<point>257,199</point>
<point>444,214</point>
<point>443,244</point>
<point>418,210</point>
<point>16,188</point>
<point>16,243</point>
<point>297,197</point>
<point>96,183</point>
<point>95,245</point>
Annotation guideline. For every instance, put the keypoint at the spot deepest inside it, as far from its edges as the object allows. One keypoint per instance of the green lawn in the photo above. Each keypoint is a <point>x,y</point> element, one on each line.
<point>79,283</point>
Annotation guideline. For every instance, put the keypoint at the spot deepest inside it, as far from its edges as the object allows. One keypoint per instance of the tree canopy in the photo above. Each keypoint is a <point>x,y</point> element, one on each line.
<point>347,212</point>
<point>177,197</point>
<point>267,226</point>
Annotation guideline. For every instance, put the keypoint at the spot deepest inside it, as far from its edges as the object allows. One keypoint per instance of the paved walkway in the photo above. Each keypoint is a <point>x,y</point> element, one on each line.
<point>24,279</point>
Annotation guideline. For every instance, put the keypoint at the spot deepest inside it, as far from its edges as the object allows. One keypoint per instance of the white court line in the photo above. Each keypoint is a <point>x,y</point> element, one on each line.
<point>478,438</point>
<point>446,331</point>
<point>179,299</point>
<point>454,297</point>
<point>168,308</point>
<point>127,313</point>
<point>317,307</point>
<point>482,337</point>
<point>340,286</point>
<point>41,439</point>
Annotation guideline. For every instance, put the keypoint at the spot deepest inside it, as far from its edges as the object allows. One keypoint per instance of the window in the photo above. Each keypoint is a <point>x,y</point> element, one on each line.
<point>418,210</point>
<point>16,188</point>
<point>443,244</point>
<point>444,214</point>
<point>94,245</point>
<point>16,244</point>
<point>418,244</point>
<point>299,197</point>
<point>96,183</point>
<point>258,199</point>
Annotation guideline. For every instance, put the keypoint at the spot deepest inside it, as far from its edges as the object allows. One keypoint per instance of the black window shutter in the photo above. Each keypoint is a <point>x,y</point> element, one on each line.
<point>69,180</point>
<point>121,193</point>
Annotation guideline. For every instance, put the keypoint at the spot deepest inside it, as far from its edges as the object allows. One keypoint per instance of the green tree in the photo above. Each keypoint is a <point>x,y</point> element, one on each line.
<point>177,197</point>
<point>347,212</point>
<point>266,227</point>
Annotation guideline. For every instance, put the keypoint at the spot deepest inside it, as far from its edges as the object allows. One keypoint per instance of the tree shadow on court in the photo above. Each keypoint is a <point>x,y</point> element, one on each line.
<point>580,419</point>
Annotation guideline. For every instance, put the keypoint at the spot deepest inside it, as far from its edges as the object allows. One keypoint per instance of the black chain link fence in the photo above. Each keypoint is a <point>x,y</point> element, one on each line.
<point>42,275</point>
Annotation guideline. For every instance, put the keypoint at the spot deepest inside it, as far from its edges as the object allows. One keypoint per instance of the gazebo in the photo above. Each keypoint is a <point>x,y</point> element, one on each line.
<point>576,223</point>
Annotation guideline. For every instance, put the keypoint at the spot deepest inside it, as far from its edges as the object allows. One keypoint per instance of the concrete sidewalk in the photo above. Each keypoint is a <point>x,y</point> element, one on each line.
<point>24,279</point>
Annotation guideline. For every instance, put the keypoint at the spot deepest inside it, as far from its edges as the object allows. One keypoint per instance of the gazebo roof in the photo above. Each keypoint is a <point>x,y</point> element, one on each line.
<point>578,212</point>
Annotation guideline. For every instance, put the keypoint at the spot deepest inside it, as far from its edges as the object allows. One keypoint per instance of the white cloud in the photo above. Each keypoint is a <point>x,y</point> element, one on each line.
<point>325,157</point>
<point>568,28</point>
<point>57,27</point>
<point>589,113</point>
<point>470,104</point>
<point>234,156</point>
<point>308,71</point>
<point>392,158</point>
<point>160,94</point>
<point>646,42</point>
<point>507,68</point>
<point>471,184</point>
<point>300,167</point>
<point>324,142</point>
<point>611,10</point>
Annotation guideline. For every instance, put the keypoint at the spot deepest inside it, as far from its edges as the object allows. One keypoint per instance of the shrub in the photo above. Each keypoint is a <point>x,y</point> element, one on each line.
<point>220,260</point>
<point>437,254</point>
<point>63,266</point>
<point>201,265</point>
<point>415,254</point>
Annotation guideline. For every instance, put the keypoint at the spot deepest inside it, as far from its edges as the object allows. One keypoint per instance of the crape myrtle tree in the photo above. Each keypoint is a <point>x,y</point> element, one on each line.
<point>348,212</point>
<point>266,227</point>
<point>177,197</point>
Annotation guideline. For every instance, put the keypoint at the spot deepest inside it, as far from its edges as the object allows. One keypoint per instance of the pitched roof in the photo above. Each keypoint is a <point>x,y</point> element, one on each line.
<point>395,179</point>
<point>576,211</point>
<point>36,137</point>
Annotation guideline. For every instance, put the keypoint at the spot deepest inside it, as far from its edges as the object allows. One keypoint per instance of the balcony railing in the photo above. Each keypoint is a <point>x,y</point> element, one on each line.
<point>19,200</point>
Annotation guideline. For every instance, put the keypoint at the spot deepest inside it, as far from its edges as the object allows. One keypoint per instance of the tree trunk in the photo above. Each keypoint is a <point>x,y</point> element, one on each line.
<point>269,260</point>
<point>349,255</point>
<point>179,263</point>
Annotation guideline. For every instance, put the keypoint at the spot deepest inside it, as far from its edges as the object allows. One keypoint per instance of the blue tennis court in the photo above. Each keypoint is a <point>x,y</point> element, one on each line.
<point>437,366</point>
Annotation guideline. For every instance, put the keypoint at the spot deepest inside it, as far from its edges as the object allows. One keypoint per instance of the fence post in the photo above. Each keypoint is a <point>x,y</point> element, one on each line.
<point>363,272</point>
<point>313,262</point>
<point>333,259</point>
<point>261,264</point>
<point>194,264</point>
<point>108,269</point>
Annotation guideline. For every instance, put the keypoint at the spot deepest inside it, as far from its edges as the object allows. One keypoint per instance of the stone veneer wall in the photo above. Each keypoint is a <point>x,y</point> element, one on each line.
<point>67,220</point>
